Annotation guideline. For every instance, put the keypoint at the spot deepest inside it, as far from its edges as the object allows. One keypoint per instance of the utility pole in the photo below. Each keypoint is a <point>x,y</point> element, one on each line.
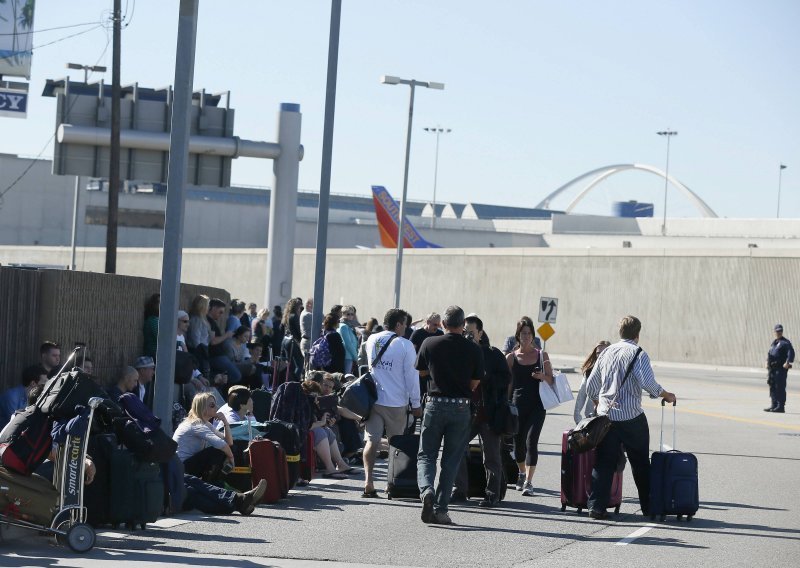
<point>113,174</point>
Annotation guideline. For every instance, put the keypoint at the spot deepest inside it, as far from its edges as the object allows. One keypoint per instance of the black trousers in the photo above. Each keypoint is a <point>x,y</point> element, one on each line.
<point>634,436</point>
<point>491,446</point>
<point>526,441</point>
<point>777,387</point>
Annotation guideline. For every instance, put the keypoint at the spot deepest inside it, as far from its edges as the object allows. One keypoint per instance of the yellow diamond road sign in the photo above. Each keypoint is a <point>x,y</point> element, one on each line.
<point>546,331</point>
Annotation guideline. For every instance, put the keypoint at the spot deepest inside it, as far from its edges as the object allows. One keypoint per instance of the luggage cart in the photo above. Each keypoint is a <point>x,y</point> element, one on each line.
<point>69,523</point>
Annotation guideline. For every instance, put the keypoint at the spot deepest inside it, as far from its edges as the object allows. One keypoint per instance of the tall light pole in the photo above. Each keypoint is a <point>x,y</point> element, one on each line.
<point>438,130</point>
<point>669,134</point>
<point>780,175</point>
<point>413,83</point>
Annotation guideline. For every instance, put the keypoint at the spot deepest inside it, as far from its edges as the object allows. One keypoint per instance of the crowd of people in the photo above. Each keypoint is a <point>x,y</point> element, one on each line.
<point>441,371</point>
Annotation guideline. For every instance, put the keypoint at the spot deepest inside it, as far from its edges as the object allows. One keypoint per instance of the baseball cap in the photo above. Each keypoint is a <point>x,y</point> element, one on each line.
<point>778,327</point>
<point>144,362</point>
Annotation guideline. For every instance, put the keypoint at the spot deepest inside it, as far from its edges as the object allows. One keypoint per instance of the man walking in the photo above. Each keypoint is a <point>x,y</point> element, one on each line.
<point>490,399</point>
<point>620,399</point>
<point>454,365</point>
<point>398,385</point>
<point>779,360</point>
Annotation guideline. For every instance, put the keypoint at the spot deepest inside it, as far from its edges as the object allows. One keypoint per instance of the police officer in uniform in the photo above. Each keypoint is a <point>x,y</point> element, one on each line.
<point>779,361</point>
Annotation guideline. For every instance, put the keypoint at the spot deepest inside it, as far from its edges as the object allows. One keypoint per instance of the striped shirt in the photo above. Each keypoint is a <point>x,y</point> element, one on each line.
<point>607,375</point>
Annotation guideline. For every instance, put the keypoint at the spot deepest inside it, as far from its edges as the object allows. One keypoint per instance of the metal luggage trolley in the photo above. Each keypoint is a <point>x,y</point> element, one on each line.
<point>69,523</point>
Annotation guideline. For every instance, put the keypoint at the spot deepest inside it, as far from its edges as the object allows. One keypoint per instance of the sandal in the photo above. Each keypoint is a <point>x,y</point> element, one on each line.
<point>334,475</point>
<point>350,471</point>
<point>370,494</point>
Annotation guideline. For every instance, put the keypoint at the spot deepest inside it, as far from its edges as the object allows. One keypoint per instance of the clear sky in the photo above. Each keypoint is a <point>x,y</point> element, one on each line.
<point>537,92</point>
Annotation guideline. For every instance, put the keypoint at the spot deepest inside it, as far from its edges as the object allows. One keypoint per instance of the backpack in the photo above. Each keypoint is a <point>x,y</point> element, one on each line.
<point>321,352</point>
<point>26,441</point>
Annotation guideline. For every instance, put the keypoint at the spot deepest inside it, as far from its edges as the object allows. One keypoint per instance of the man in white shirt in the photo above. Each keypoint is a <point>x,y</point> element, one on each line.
<point>306,319</point>
<point>398,386</point>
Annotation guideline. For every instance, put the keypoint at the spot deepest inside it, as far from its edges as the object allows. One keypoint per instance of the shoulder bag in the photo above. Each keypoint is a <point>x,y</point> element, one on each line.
<point>589,432</point>
<point>361,394</point>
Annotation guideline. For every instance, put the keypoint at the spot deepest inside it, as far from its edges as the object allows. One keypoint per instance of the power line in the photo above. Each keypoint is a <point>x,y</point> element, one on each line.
<point>50,29</point>
<point>67,37</point>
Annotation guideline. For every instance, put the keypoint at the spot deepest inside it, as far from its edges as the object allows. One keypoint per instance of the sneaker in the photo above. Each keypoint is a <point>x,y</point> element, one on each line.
<point>779,410</point>
<point>487,503</point>
<point>251,498</point>
<point>599,515</point>
<point>442,518</point>
<point>520,482</point>
<point>427,507</point>
<point>770,409</point>
<point>458,497</point>
<point>527,490</point>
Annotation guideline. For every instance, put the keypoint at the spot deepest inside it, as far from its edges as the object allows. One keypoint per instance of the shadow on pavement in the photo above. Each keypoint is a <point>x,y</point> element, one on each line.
<point>720,506</point>
<point>42,558</point>
<point>746,456</point>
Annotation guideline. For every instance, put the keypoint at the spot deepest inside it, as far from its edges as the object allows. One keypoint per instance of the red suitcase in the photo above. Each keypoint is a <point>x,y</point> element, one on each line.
<point>308,465</point>
<point>268,461</point>
<point>576,479</point>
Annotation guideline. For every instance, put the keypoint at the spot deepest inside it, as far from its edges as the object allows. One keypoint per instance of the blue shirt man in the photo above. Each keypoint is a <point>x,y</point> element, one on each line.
<point>16,398</point>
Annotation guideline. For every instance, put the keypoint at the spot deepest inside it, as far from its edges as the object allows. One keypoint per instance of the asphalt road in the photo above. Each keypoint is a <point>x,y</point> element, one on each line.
<point>749,489</point>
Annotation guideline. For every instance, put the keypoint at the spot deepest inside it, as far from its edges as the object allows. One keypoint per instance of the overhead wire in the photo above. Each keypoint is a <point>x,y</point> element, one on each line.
<point>47,144</point>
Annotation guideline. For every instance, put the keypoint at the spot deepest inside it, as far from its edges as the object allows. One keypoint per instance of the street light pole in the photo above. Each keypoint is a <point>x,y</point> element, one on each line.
<point>669,134</point>
<point>86,69</point>
<point>391,80</point>
<point>780,175</point>
<point>438,130</point>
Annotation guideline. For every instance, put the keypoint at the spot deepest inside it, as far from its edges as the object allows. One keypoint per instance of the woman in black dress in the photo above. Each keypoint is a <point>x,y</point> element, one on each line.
<point>529,366</point>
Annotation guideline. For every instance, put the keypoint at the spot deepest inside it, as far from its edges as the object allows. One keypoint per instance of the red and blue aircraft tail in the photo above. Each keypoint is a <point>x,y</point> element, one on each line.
<point>387,212</point>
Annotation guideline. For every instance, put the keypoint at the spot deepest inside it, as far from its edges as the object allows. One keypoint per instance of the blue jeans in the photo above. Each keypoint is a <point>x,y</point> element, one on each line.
<point>446,422</point>
<point>207,498</point>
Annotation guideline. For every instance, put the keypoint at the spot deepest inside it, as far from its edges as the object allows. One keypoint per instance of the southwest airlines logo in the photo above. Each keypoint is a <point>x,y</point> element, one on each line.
<point>387,212</point>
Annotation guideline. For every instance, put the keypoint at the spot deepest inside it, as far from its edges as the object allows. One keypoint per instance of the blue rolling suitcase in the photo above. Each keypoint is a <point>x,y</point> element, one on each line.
<point>673,480</point>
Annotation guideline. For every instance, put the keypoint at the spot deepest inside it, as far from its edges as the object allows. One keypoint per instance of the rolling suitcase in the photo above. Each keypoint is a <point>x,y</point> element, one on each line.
<point>674,486</point>
<point>576,478</point>
<point>288,435</point>
<point>268,461</point>
<point>137,491</point>
<point>476,473</point>
<point>401,476</point>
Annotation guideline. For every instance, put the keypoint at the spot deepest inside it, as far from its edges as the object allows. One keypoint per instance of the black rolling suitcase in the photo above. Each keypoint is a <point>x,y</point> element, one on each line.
<point>476,473</point>
<point>137,491</point>
<point>673,480</point>
<point>401,476</point>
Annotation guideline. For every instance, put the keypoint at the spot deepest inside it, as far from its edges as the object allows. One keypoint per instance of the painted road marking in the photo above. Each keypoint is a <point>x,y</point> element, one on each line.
<point>736,418</point>
<point>636,534</point>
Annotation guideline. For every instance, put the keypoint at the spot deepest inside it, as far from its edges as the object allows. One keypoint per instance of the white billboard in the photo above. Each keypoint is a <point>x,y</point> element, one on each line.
<point>16,37</point>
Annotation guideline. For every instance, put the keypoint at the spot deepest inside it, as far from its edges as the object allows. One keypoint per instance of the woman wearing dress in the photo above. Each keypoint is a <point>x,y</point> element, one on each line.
<point>529,366</point>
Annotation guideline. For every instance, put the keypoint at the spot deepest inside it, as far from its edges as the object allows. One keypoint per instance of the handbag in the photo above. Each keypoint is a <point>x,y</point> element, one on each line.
<point>562,388</point>
<point>589,432</point>
<point>362,393</point>
<point>548,395</point>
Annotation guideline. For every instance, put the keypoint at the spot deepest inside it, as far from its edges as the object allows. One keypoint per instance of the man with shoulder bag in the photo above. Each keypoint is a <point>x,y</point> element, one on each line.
<point>622,371</point>
<point>391,362</point>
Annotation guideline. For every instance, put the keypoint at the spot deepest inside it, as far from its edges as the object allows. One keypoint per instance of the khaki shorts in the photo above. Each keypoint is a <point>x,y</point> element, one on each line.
<point>392,419</point>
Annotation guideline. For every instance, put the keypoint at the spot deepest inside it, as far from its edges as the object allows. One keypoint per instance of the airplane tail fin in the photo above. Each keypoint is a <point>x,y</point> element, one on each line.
<point>387,212</point>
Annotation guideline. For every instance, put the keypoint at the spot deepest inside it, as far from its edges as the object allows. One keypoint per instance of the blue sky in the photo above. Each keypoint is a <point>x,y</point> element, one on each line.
<point>536,94</point>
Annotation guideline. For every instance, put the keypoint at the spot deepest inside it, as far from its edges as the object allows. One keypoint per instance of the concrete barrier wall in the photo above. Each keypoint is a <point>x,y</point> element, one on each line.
<point>104,311</point>
<point>715,307</point>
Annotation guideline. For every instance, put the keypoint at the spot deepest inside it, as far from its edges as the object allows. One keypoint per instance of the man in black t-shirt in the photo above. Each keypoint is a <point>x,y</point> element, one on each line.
<point>454,367</point>
<point>219,361</point>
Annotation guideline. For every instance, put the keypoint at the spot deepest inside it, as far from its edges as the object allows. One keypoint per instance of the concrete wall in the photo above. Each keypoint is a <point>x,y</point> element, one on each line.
<point>702,306</point>
<point>104,311</point>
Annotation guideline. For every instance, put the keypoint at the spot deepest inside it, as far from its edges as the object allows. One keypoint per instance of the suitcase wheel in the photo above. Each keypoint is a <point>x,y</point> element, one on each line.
<point>580,510</point>
<point>563,507</point>
<point>680,517</point>
<point>689,518</point>
<point>616,510</point>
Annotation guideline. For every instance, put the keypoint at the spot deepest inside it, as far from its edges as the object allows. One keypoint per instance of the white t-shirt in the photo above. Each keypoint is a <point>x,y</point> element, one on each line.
<point>194,437</point>
<point>395,376</point>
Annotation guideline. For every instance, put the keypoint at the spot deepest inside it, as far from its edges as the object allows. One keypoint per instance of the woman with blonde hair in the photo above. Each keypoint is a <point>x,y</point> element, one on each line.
<point>202,449</point>
<point>584,408</point>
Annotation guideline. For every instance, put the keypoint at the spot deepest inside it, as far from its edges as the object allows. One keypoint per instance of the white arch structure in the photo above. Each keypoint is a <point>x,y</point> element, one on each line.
<point>600,174</point>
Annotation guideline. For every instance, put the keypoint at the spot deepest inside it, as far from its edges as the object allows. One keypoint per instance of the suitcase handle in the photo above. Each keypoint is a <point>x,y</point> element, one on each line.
<point>674,415</point>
